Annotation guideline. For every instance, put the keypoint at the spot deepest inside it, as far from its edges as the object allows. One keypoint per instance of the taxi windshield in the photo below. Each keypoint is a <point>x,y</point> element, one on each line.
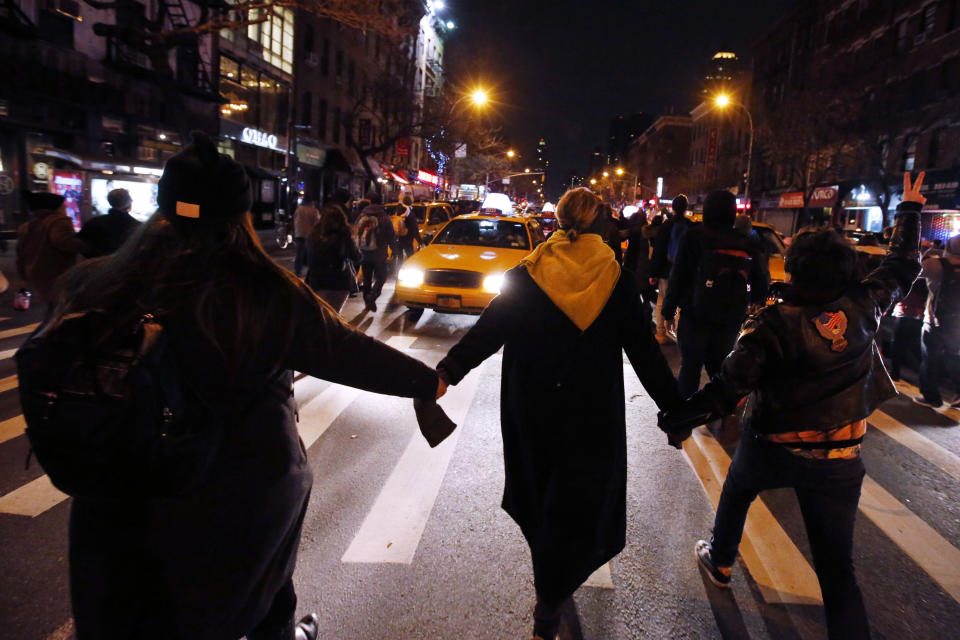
<point>502,234</point>
<point>771,241</point>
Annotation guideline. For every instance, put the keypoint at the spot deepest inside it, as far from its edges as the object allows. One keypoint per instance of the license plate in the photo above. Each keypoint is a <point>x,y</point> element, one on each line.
<point>448,302</point>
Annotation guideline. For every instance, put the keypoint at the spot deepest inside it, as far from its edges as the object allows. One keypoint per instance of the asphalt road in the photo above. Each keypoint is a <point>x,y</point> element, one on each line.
<point>401,541</point>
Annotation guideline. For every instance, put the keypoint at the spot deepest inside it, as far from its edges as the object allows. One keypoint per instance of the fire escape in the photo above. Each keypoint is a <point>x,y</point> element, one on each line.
<point>192,70</point>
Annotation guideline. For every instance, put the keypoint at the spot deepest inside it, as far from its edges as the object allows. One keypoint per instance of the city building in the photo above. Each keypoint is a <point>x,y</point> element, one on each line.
<point>660,158</point>
<point>856,93</point>
<point>623,130</point>
<point>724,71</point>
<point>87,107</point>
<point>719,145</point>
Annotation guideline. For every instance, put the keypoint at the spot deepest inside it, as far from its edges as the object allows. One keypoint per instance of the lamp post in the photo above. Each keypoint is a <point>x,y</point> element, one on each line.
<point>722,101</point>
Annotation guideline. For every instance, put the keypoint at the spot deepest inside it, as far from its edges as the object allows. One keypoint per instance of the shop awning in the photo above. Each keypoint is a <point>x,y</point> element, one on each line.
<point>390,175</point>
<point>825,196</point>
<point>791,200</point>
<point>942,189</point>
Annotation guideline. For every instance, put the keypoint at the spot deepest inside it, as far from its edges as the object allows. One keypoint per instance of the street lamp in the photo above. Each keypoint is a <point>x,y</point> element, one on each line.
<point>511,153</point>
<point>480,97</point>
<point>606,175</point>
<point>722,101</point>
<point>593,181</point>
<point>619,171</point>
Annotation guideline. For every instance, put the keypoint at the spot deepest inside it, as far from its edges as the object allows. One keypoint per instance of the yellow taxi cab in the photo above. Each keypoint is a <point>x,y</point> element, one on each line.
<point>462,269</point>
<point>431,216</point>
<point>773,243</point>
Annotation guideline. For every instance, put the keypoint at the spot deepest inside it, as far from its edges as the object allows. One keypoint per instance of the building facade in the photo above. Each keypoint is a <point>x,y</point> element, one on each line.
<point>660,158</point>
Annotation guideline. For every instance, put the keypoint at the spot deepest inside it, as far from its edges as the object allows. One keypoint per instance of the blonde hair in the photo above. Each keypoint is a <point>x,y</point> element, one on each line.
<point>577,210</point>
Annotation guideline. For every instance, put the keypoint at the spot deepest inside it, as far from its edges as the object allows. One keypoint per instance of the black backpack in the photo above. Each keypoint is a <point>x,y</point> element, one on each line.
<point>721,292</point>
<point>947,307</point>
<point>106,414</point>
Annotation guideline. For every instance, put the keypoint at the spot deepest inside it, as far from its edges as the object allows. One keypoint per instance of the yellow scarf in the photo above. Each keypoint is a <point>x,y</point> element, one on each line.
<point>577,276</point>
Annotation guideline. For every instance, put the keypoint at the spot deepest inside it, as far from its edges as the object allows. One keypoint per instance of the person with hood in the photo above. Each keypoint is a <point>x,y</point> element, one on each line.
<point>665,247</point>
<point>940,338</point>
<point>47,245</point>
<point>811,367</point>
<point>717,274</point>
<point>376,238</point>
<point>332,258</point>
<point>565,316</point>
<point>103,235</point>
<point>217,563</point>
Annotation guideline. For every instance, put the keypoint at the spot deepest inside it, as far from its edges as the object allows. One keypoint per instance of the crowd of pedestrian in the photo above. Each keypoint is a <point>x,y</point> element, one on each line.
<point>238,325</point>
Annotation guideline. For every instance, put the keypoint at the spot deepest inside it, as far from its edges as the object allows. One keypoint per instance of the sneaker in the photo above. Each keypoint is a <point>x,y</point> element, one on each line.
<point>923,402</point>
<point>719,576</point>
<point>308,628</point>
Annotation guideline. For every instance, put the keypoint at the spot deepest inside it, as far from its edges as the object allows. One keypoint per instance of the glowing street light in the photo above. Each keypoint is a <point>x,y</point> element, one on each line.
<point>511,153</point>
<point>606,175</point>
<point>450,24</point>
<point>593,181</point>
<point>526,170</point>
<point>479,97</point>
<point>722,101</point>
<point>619,171</point>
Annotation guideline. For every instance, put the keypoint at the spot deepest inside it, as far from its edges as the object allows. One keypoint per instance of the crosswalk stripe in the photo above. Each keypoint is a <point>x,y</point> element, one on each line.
<point>32,499</point>
<point>912,392</point>
<point>776,564</point>
<point>601,578</point>
<point>917,442</point>
<point>18,331</point>
<point>9,383</point>
<point>10,429</point>
<point>934,554</point>
<point>5,355</point>
<point>394,525</point>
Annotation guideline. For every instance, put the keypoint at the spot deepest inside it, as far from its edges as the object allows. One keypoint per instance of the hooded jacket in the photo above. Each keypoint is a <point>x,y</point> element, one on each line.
<point>47,246</point>
<point>811,361</point>
<point>386,236</point>
<point>103,235</point>
<point>660,264</point>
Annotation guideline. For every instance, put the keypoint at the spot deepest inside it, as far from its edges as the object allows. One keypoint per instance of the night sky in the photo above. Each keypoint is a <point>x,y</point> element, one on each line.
<point>563,68</point>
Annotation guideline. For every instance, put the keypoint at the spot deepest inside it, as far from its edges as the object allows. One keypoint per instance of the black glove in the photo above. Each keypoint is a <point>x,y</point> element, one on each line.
<point>675,438</point>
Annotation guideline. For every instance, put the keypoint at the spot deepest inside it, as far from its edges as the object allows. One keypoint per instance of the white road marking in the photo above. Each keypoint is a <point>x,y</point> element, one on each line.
<point>9,383</point>
<point>63,632</point>
<point>9,353</point>
<point>10,429</point>
<point>32,499</point>
<point>601,578</point>
<point>776,564</point>
<point>931,551</point>
<point>917,442</point>
<point>912,392</point>
<point>394,525</point>
<point>18,331</point>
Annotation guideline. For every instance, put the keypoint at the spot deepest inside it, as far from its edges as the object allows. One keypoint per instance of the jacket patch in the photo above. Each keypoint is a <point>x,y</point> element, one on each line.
<point>833,327</point>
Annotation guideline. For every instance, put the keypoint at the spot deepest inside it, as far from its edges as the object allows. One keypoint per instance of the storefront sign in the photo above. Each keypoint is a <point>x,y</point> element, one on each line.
<point>70,186</point>
<point>791,200</point>
<point>311,154</point>
<point>460,151</point>
<point>427,177</point>
<point>259,138</point>
<point>824,196</point>
<point>403,147</point>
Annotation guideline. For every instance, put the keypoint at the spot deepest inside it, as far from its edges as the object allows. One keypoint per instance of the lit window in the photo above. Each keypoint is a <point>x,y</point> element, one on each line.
<point>275,35</point>
<point>910,153</point>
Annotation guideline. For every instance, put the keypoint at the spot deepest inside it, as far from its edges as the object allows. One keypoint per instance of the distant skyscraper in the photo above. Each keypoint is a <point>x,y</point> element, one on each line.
<point>542,162</point>
<point>623,131</point>
<point>723,71</point>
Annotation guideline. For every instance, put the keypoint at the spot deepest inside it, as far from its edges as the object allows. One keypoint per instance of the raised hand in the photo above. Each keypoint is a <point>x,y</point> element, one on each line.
<point>912,193</point>
<point>441,388</point>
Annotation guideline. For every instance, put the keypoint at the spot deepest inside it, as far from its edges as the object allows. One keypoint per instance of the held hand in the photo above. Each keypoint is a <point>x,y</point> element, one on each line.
<point>912,193</point>
<point>668,326</point>
<point>441,388</point>
<point>653,282</point>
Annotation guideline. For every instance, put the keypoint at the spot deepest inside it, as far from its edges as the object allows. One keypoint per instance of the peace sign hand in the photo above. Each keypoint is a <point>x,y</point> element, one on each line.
<point>912,194</point>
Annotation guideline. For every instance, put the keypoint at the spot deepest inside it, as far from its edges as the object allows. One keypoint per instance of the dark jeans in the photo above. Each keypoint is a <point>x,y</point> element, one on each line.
<point>828,492</point>
<point>374,277</point>
<point>406,248</point>
<point>701,345</point>
<point>939,347</point>
<point>300,256</point>
<point>905,348</point>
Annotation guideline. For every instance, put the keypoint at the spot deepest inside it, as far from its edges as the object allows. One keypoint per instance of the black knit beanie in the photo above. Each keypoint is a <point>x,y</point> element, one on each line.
<point>203,185</point>
<point>42,200</point>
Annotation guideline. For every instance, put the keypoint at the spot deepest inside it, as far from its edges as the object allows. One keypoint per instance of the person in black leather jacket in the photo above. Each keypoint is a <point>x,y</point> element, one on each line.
<point>813,374</point>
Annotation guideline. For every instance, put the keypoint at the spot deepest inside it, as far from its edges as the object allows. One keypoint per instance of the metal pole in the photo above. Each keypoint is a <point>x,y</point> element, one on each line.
<point>746,187</point>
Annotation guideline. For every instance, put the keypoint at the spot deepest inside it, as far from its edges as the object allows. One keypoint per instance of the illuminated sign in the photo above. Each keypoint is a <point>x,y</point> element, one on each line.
<point>259,138</point>
<point>659,187</point>
<point>429,178</point>
<point>792,200</point>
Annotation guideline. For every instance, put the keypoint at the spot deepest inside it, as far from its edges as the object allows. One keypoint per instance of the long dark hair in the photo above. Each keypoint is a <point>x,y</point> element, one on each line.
<point>217,276</point>
<point>333,227</point>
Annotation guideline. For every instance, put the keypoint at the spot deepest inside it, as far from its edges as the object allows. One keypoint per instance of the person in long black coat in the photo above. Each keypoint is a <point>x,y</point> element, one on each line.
<point>564,318</point>
<point>217,563</point>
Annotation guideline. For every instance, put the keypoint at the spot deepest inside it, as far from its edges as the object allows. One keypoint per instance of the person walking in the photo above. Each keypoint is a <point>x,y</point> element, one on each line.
<point>940,339</point>
<point>47,245</point>
<point>665,247</point>
<point>813,371</point>
<point>716,275</point>
<point>217,563</point>
<point>407,229</point>
<point>637,257</point>
<point>565,316</point>
<point>906,342</point>
<point>340,199</point>
<point>611,232</point>
<point>105,234</point>
<point>376,237</point>
<point>305,218</point>
<point>332,259</point>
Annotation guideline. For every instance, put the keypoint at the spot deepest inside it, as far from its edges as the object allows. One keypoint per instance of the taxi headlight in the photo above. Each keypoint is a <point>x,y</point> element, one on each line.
<point>493,283</point>
<point>410,277</point>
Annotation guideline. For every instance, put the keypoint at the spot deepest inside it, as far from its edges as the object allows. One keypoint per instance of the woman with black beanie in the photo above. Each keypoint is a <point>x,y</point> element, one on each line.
<point>218,562</point>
